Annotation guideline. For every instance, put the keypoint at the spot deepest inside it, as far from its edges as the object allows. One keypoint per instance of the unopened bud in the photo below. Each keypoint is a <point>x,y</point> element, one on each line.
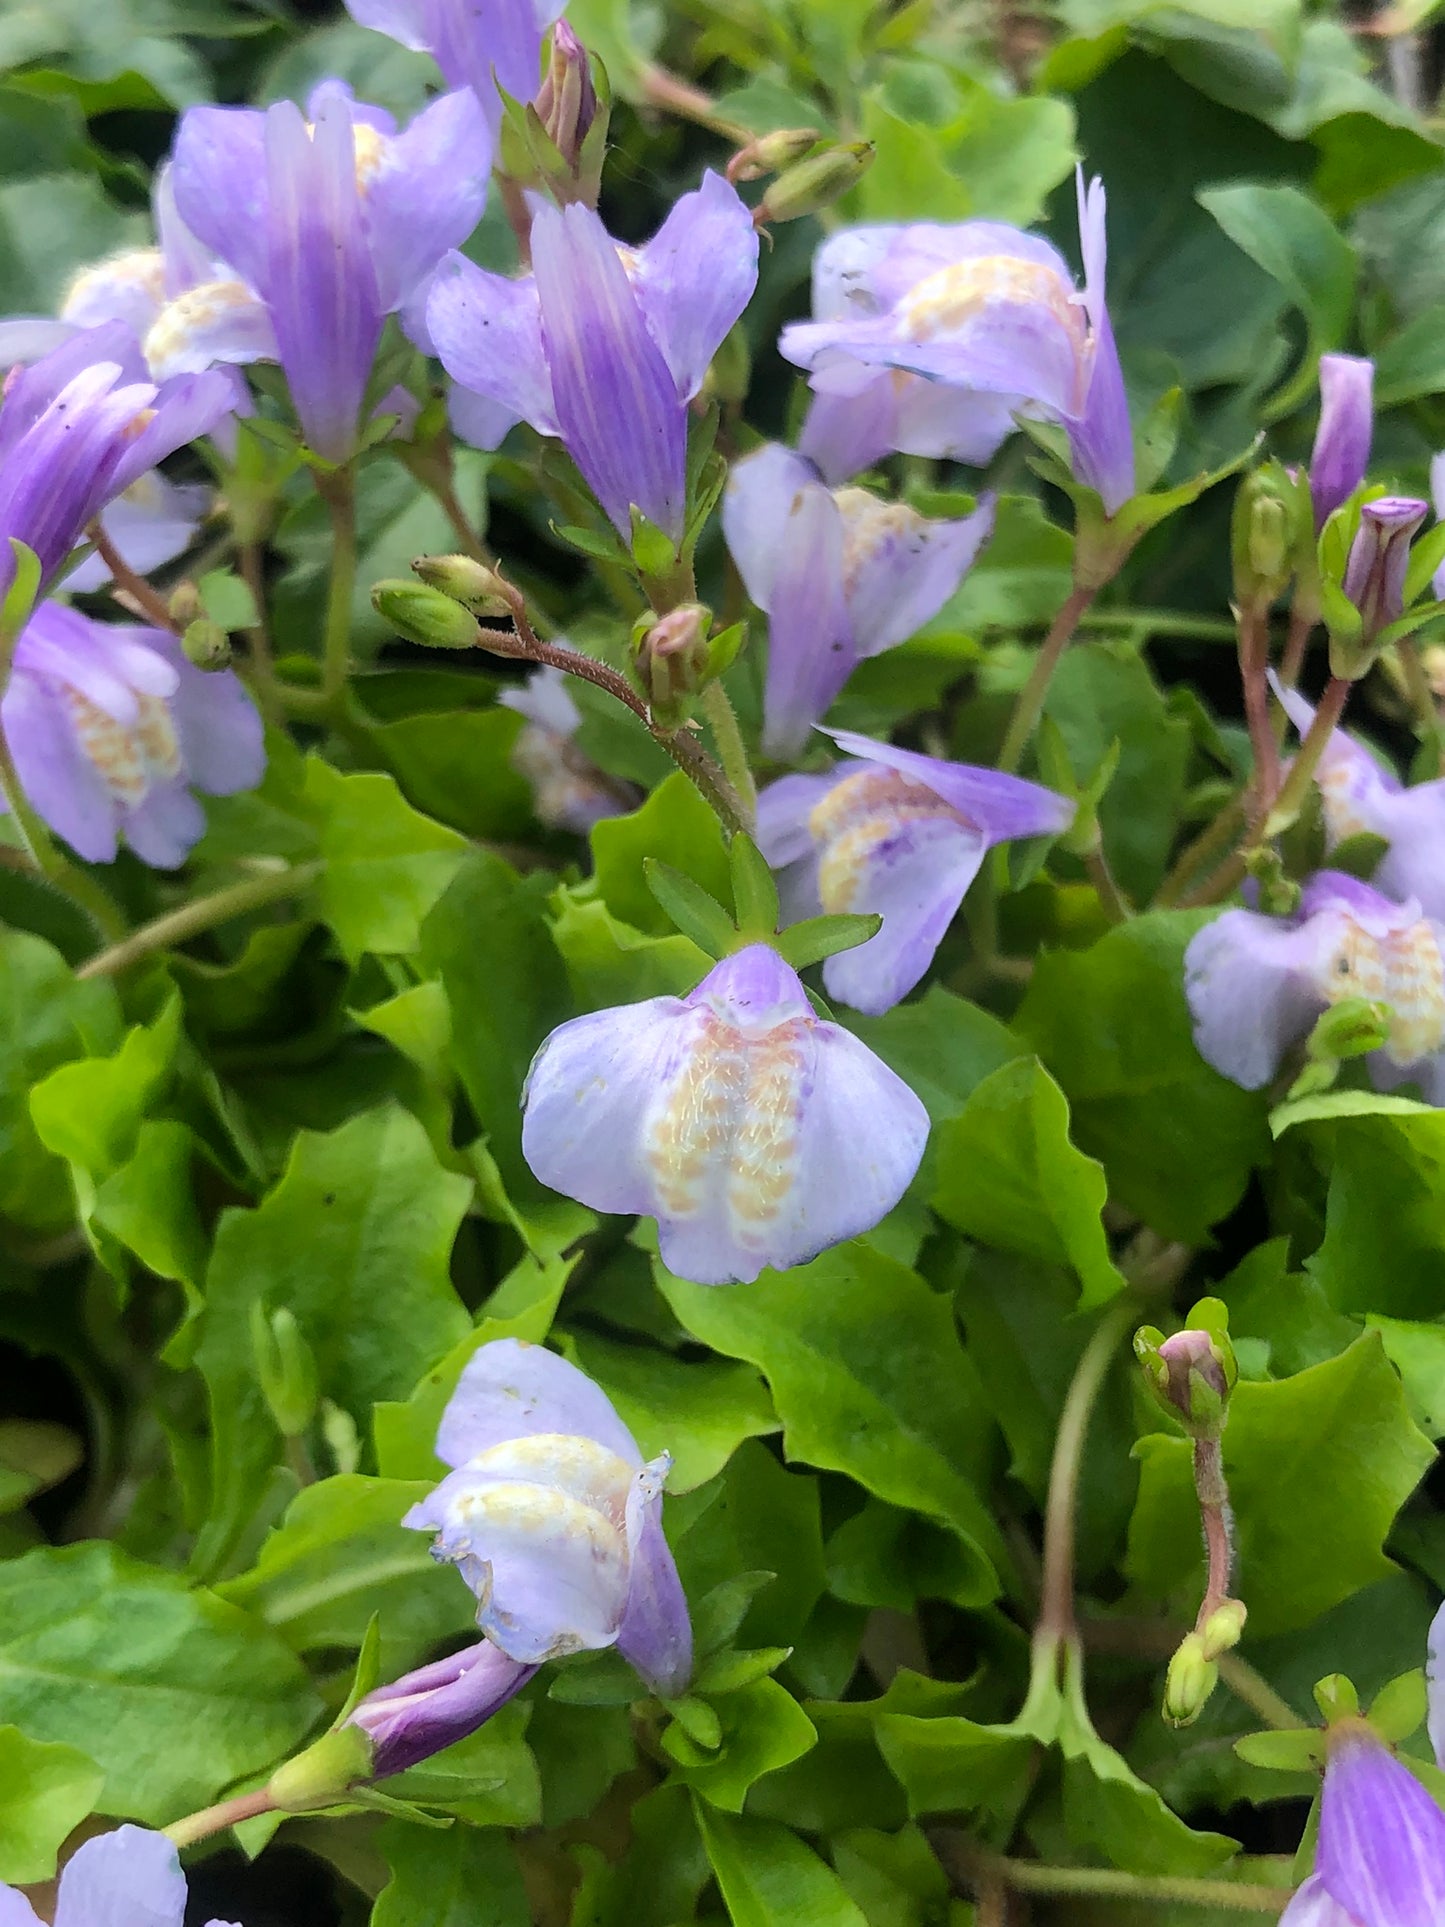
<point>566,103</point>
<point>425,615</point>
<point>1224,1628</point>
<point>1192,1677</point>
<point>1342,441</point>
<point>770,152</point>
<point>1374,580</point>
<point>671,657</point>
<point>286,1367</point>
<point>324,1774</point>
<point>1191,1375</point>
<point>813,184</point>
<point>467,581</point>
<point>185,604</point>
<point>1270,515</point>
<point>436,1705</point>
<point>206,644</point>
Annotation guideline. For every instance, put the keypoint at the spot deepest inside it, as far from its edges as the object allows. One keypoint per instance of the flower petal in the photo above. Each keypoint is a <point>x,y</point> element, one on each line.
<point>762,492</point>
<point>219,185</point>
<point>695,277</point>
<point>59,780</point>
<point>914,877</point>
<point>1313,1907</point>
<point>128,1878</point>
<point>656,1632</point>
<point>1435,1673</point>
<point>1381,1851</point>
<point>1002,806</point>
<point>1341,451</point>
<point>214,321</point>
<point>900,567</point>
<point>427,193</point>
<point>153,522</point>
<point>487,331</point>
<point>513,1390</point>
<point>1250,994</point>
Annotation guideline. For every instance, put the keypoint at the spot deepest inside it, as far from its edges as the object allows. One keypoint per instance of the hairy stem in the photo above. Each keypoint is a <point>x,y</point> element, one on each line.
<point>1253,673</point>
<point>1213,1495</point>
<point>677,96</point>
<point>226,1813</point>
<point>1212,842</point>
<point>1030,704</point>
<point>129,587</point>
<point>972,1869</point>
<point>203,914</point>
<point>1257,1693</point>
<point>1297,641</point>
<point>722,721</point>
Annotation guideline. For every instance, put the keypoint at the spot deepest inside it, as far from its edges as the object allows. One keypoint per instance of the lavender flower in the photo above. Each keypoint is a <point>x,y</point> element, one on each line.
<point>753,1132</point>
<point>842,574</point>
<point>1256,984</point>
<point>1360,795</point>
<point>433,1707</point>
<point>604,346</point>
<point>1379,556</point>
<point>110,728</point>
<point>77,429</point>
<point>568,791</point>
<point>896,834</point>
<point>130,1877</point>
<point>1380,1859</point>
<point>554,1520</point>
<point>483,49</point>
<point>1342,440</point>
<point>334,220</point>
<point>981,308</point>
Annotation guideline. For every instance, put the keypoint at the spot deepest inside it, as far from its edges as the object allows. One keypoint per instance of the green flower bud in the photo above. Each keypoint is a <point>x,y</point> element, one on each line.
<point>286,1368</point>
<point>1270,511</point>
<point>425,615</point>
<point>185,604</point>
<point>815,183</point>
<point>467,581</point>
<point>1224,1627</point>
<point>770,152</point>
<point>1191,1375</point>
<point>206,644</point>
<point>1192,1677</point>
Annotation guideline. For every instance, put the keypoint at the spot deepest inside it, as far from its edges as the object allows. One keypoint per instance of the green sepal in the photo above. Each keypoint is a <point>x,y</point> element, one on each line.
<point>695,913</point>
<point>1407,624</point>
<point>755,894</point>
<point>379,1802</point>
<point>368,1669</point>
<point>1157,437</point>
<point>698,1720</point>
<point>1427,552</point>
<point>654,552</point>
<point>1300,1751</point>
<point>19,604</point>
<point>1359,855</point>
<point>602,548</point>
<point>1349,1028</point>
<point>732,1670</point>
<point>1399,1708</point>
<point>815,938</point>
<point>1336,1698</point>
<point>1083,837</point>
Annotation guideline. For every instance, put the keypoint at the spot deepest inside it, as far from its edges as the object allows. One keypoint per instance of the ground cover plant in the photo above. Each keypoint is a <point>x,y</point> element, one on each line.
<point>722,963</point>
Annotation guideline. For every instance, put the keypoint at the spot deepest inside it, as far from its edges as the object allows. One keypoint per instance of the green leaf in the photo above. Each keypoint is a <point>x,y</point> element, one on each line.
<point>46,1789</point>
<point>608,962</point>
<point>456,766</point>
<point>1008,1175</point>
<point>700,1411</point>
<point>897,1418</point>
<point>206,1696</point>
<point>760,1729</point>
<point>489,943</point>
<point>34,1454</point>
<point>1291,1448</point>
<point>1177,1140</point>
<point>755,894</point>
<point>386,864</point>
<point>50,227</point>
<point>1417,1352</point>
<point>1411,364</point>
<point>342,1556</point>
<point>460,1878</point>
<point>675,827</point>
<point>768,1878</point>
<point>1296,243</point>
<point>355,1240</point>
<point>948,1764</point>
<point>1384,1236</point>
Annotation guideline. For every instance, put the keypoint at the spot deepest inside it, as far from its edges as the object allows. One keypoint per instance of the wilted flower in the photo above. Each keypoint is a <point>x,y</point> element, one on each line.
<point>130,1877</point>
<point>566,101</point>
<point>437,1705</point>
<point>896,834</point>
<point>1360,795</point>
<point>755,1133</point>
<point>110,728</point>
<point>331,221</point>
<point>78,428</point>
<point>981,308</point>
<point>1257,984</point>
<point>553,1519</point>
<point>1342,440</point>
<point>476,47</point>
<point>604,346</point>
<point>842,575</point>
<point>568,791</point>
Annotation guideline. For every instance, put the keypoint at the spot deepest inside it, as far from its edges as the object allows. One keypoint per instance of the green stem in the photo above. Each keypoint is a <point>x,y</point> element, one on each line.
<point>1296,786</point>
<point>47,861</point>
<point>1056,1620</point>
<point>1212,841</point>
<point>1031,1876</point>
<point>722,721</point>
<point>338,492</point>
<point>226,1813</point>
<point>1115,905</point>
<point>1162,622</point>
<point>258,637</point>
<point>1030,704</point>
<point>1257,1693</point>
<point>203,914</point>
<point>1253,674</point>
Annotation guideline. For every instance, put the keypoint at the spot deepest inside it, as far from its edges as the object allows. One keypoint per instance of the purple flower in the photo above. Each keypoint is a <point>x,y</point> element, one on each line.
<point>1380,1858</point>
<point>1379,556</point>
<point>554,1520</point>
<point>436,1705</point>
<point>604,346</point>
<point>754,1133</point>
<point>568,791</point>
<point>477,47</point>
<point>898,835</point>
<point>130,1877</point>
<point>842,575</point>
<point>1342,440</point>
<point>78,428</point>
<point>1257,984</point>
<point>110,727</point>
<point>981,308</point>
<point>331,222</point>
<point>1360,795</point>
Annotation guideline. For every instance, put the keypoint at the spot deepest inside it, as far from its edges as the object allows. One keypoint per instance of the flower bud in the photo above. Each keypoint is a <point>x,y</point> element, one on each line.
<point>1224,1627</point>
<point>1191,1375</point>
<point>566,103</point>
<point>1269,515</point>
<point>425,615</point>
<point>286,1368</point>
<point>676,657</point>
<point>1342,440</point>
<point>469,582</point>
<point>185,603</point>
<point>1192,1677</point>
<point>813,184</point>
<point>435,1706</point>
<point>770,152</point>
<point>1379,556</point>
<point>206,644</point>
